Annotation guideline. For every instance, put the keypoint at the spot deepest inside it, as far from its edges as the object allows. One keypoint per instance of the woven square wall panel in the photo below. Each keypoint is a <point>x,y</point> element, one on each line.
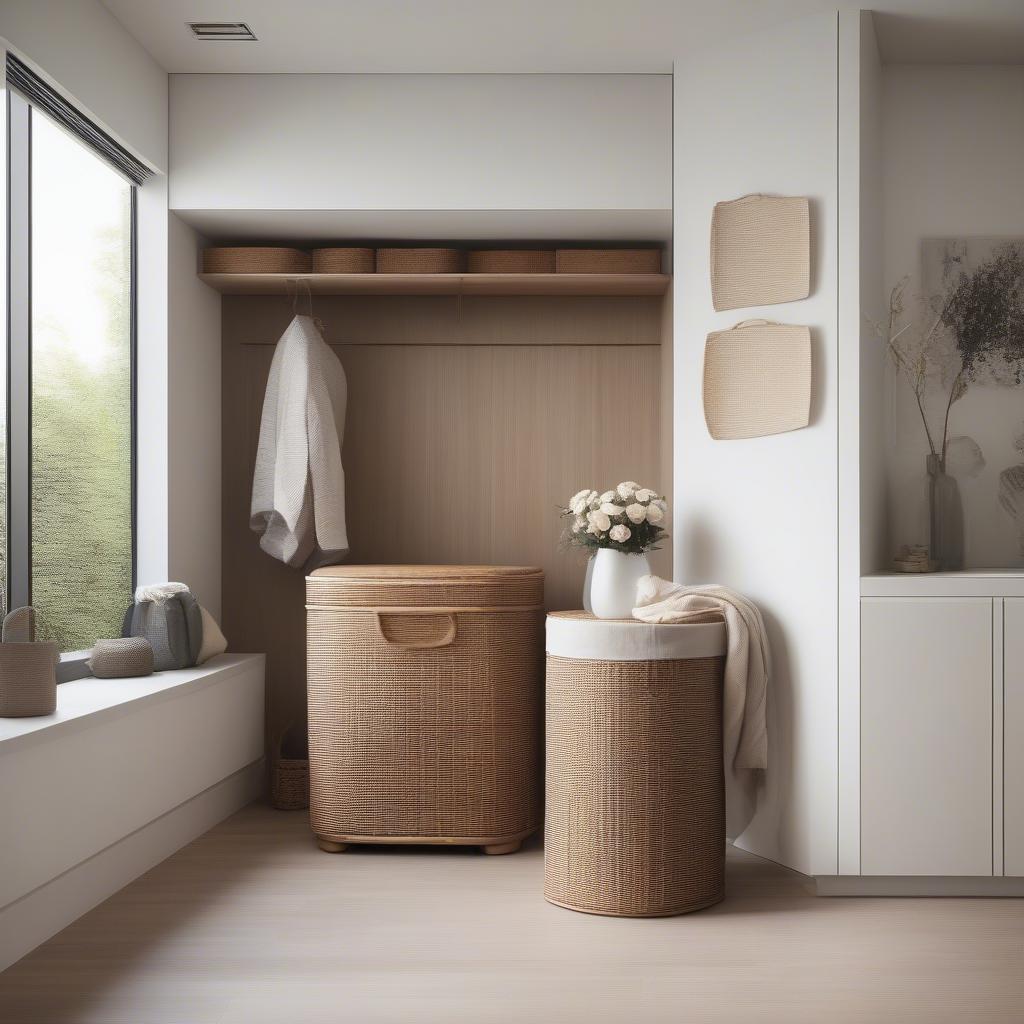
<point>757,379</point>
<point>760,251</point>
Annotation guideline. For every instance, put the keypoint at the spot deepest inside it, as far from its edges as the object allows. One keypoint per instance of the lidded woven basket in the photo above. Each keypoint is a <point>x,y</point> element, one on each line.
<point>511,261</point>
<point>634,822</point>
<point>425,704</point>
<point>256,259</point>
<point>344,261</point>
<point>420,261</point>
<point>608,261</point>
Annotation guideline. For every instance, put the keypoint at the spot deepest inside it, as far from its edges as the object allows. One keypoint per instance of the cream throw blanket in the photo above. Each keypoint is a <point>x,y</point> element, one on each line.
<point>747,668</point>
<point>298,490</point>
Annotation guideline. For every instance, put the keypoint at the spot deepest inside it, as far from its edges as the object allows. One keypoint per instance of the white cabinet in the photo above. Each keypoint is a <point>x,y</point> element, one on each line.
<point>1013,736</point>
<point>926,736</point>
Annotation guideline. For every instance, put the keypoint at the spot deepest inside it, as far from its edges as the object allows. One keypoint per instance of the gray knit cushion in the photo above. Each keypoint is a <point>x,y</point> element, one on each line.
<point>125,656</point>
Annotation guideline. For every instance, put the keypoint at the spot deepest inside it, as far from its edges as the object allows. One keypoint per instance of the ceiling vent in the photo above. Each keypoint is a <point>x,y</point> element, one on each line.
<point>222,30</point>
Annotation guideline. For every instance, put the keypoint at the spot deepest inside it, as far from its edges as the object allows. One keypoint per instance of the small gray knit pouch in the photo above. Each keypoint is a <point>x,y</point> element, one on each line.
<point>120,658</point>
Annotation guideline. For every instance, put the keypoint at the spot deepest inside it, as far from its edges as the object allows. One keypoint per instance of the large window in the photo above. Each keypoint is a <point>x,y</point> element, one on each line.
<point>69,511</point>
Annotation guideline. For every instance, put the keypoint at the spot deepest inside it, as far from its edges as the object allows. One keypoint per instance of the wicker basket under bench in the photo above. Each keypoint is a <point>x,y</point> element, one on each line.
<point>425,701</point>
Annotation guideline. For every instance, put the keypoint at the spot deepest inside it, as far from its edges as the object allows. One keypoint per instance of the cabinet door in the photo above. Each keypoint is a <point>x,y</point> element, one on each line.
<point>926,736</point>
<point>1013,736</point>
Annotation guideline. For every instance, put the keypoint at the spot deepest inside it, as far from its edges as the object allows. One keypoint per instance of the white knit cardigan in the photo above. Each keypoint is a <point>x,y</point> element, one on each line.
<point>298,490</point>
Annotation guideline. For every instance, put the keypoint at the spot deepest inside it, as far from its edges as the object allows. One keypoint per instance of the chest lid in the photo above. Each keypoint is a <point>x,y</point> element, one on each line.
<point>448,586</point>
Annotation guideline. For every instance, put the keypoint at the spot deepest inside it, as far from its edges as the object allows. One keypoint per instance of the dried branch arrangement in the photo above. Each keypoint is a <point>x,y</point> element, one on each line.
<point>919,359</point>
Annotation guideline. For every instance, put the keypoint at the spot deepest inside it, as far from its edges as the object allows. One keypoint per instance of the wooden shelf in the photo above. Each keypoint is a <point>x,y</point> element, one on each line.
<point>441,284</point>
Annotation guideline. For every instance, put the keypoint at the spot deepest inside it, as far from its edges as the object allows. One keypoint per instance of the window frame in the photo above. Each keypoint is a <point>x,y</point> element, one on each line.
<point>18,377</point>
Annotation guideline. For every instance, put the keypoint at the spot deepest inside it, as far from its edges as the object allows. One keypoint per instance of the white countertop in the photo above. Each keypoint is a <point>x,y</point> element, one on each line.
<point>965,583</point>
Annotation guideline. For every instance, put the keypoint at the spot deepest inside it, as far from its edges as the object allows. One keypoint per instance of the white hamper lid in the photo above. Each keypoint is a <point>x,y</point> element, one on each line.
<point>583,636</point>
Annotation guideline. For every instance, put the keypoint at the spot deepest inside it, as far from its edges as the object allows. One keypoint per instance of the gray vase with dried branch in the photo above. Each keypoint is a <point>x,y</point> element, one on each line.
<point>918,360</point>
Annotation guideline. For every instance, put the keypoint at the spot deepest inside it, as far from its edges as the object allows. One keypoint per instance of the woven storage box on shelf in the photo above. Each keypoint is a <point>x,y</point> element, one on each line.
<point>256,260</point>
<point>28,680</point>
<point>425,688</point>
<point>420,261</point>
<point>608,261</point>
<point>289,771</point>
<point>512,261</point>
<point>344,261</point>
<point>635,812</point>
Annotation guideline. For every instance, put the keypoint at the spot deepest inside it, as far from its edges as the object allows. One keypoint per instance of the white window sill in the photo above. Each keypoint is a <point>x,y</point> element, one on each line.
<point>84,702</point>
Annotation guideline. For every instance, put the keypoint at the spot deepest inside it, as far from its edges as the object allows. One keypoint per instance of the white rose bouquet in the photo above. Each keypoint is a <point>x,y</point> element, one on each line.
<point>628,518</point>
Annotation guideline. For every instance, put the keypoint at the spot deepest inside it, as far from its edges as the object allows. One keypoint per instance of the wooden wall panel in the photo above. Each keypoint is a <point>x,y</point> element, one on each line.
<point>453,320</point>
<point>457,452</point>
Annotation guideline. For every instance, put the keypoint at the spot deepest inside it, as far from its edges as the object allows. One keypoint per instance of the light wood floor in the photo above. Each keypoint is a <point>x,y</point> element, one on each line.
<point>253,924</point>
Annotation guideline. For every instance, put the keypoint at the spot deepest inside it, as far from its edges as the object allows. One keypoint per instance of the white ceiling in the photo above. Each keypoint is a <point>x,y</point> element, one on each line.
<point>536,36</point>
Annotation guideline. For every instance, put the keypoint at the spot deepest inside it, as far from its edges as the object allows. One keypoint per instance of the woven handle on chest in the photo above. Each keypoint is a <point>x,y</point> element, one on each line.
<point>417,631</point>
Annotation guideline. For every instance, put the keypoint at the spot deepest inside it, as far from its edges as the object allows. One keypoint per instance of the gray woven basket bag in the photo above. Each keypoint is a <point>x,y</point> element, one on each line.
<point>171,621</point>
<point>28,681</point>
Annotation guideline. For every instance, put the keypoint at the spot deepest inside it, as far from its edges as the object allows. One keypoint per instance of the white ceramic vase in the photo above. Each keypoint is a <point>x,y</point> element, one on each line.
<point>587,607</point>
<point>613,583</point>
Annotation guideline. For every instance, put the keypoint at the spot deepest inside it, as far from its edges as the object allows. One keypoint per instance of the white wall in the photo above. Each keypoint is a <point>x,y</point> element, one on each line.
<point>953,166</point>
<point>153,404</point>
<point>761,515</point>
<point>869,411</point>
<point>90,58</point>
<point>861,372</point>
<point>420,142</point>
<point>84,50</point>
<point>194,449</point>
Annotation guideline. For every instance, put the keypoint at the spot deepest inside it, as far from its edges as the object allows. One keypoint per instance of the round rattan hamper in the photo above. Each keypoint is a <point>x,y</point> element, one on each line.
<point>425,688</point>
<point>634,823</point>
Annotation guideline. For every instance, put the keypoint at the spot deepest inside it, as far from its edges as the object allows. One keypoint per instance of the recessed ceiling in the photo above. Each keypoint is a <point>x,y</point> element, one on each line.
<point>537,36</point>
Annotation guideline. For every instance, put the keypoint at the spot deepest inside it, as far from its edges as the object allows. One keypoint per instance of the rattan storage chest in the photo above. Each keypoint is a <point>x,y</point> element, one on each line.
<point>635,812</point>
<point>425,702</point>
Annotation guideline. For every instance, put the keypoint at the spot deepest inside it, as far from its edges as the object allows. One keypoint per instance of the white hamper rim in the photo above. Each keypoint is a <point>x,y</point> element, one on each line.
<point>592,639</point>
